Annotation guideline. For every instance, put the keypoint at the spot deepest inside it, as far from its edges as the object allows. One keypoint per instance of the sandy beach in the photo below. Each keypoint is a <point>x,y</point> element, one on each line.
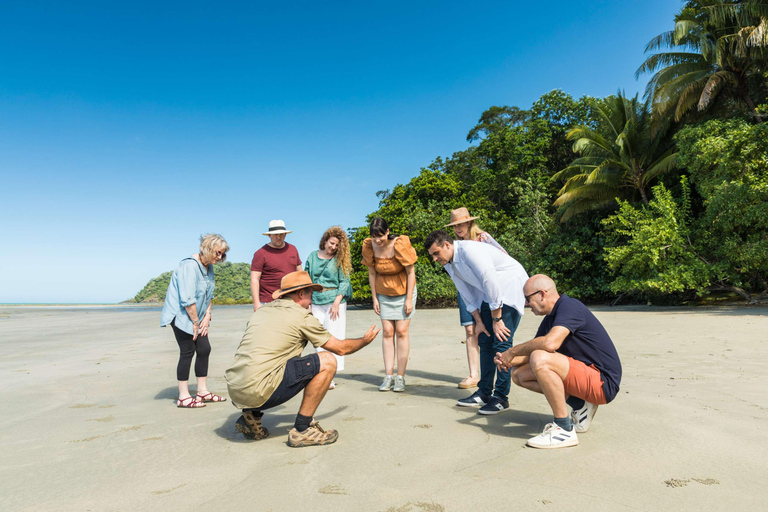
<point>89,422</point>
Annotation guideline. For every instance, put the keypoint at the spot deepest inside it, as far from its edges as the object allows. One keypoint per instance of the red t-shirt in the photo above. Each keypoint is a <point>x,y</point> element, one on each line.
<point>273,265</point>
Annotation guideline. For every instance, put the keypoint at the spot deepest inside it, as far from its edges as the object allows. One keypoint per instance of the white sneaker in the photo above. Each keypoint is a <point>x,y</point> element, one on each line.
<point>389,382</point>
<point>582,418</point>
<point>554,437</point>
<point>399,384</point>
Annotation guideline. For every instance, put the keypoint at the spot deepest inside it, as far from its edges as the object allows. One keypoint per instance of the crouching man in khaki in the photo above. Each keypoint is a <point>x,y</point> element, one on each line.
<point>571,361</point>
<point>269,370</point>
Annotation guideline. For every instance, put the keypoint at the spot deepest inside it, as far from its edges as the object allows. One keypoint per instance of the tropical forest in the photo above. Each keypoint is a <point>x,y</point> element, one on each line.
<point>659,199</point>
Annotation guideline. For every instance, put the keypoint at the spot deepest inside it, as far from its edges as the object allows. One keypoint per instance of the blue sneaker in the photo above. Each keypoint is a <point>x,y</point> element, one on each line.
<point>476,399</point>
<point>494,406</point>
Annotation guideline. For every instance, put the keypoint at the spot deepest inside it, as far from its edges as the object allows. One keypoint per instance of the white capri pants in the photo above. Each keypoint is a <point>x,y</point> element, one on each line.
<point>337,328</point>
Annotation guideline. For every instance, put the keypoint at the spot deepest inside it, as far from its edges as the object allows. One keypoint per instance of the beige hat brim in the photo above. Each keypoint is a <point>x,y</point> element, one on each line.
<point>279,293</point>
<point>461,221</point>
<point>286,231</point>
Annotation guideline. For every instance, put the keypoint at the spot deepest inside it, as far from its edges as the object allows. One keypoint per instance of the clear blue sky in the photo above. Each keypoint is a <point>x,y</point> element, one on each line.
<point>127,129</point>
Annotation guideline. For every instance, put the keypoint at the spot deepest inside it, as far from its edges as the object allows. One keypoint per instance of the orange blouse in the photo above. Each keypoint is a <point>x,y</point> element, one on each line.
<point>391,279</point>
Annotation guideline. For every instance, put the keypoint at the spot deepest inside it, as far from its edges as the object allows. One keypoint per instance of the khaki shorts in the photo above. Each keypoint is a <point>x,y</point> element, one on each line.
<point>584,382</point>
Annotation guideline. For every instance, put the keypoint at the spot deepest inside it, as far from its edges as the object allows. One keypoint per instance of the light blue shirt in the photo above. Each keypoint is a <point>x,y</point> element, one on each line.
<point>483,273</point>
<point>191,283</point>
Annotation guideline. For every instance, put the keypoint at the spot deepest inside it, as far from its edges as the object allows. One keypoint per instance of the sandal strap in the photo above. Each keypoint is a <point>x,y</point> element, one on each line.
<point>184,402</point>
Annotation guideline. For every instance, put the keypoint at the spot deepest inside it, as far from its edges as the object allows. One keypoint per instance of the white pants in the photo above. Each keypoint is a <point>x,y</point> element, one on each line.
<point>337,328</point>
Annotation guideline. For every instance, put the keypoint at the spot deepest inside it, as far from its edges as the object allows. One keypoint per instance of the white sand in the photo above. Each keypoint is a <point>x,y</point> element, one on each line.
<point>89,423</point>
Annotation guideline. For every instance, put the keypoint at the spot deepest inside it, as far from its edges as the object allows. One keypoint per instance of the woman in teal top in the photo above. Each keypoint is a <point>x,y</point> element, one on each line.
<point>331,267</point>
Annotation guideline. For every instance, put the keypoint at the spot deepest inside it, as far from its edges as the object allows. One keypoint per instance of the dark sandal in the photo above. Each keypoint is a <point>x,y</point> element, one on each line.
<point>189,403</point>
<point>210,397</point>
<point>249,424</point>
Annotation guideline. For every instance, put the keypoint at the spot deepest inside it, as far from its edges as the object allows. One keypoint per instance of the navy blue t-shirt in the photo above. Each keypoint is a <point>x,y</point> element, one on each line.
<point>588,341</point>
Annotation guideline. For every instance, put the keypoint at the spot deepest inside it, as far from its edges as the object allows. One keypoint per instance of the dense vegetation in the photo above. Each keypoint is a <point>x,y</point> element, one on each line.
<point>661,199</point>
<point>233,285</point>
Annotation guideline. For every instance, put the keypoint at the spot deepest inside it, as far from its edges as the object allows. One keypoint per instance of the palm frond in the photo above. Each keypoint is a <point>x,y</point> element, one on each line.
<point>714,85</point>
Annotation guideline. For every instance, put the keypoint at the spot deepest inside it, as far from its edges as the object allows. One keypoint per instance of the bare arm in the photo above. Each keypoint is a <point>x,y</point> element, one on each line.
<point>206,321</point>
<point>351,345</point>
<point>298,268</point>
<point>192,312</point>
<point>372,282</point>
<point>255,278</point>
<point>410,284</point>
<point>518,354</point>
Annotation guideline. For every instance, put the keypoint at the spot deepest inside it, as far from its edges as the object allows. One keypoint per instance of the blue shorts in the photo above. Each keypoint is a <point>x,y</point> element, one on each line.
<point>465,317</point>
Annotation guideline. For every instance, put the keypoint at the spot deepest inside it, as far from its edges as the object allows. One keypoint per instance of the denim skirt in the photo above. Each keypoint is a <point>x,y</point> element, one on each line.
<point>393,308</point>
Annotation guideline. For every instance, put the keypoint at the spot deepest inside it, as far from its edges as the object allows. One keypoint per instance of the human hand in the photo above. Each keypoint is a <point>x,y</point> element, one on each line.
<point>371,334</point>
<point>480,329</point>
<point>408,306</point>
<point>195,330</point>
<point>334,312</point>
<point>501,331</point>
<point>204,325</point>
<point>376,308</point>
<point>256,306</point>
<point>502,361</point>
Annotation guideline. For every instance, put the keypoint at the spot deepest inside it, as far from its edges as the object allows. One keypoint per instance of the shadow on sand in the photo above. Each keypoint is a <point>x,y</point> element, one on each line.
<point>278,421</point>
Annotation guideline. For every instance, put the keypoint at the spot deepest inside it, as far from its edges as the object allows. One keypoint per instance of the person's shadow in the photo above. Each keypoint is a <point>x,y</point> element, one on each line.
<point>510,423</point>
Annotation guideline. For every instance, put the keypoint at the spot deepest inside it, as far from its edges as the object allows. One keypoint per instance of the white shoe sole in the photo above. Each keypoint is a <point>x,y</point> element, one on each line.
<point>564,444</point>
<point>491,413</point>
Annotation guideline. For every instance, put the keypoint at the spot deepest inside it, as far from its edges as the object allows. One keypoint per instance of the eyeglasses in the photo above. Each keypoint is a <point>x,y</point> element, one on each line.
<point>528,297</point>
<point>221,254</point>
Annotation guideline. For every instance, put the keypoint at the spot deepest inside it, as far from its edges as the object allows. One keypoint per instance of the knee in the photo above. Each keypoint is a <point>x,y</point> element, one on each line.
<point>388,331</point>
<point>204,351</point>
<point>402,332</point>
<point>327,361</point>
<point>540,360</point>
<point>515,376</point>
<point>470,330</point>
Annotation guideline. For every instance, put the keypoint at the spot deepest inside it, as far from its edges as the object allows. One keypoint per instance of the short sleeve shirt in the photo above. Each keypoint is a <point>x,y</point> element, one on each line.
<point>391,278</point>
<point>587,342</point>
<point>273,264</point>
<point>277,332</point>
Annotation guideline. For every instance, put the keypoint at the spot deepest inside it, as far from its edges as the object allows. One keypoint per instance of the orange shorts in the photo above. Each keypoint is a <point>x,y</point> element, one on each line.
<point>584,382</point>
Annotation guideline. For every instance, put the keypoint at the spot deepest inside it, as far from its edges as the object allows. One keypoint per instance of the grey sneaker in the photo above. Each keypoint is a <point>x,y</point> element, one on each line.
<point>399,384</point>
<point>389,382</point>
<point>313,436</point>
<point>582,418</point>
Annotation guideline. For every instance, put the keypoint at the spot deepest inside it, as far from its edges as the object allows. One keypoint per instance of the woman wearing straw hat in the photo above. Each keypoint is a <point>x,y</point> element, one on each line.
<point>392,277</point>
<point>331,267</point>
<point>465,228</point>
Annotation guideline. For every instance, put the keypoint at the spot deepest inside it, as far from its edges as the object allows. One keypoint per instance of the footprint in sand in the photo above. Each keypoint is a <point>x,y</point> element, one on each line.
<point>422,505</point>
<point>104,419</point>
<point>156,438</point>
<point>81,406</point>
<point>423,425</point>
<point>166,491</point>
<point>353,418</point>
<point>331,489</point>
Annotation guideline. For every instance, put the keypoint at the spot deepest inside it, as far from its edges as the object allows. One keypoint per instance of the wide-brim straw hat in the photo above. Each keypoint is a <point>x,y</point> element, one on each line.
<point>276,227</point>
<point>460,216</point>
<point>296,281</point>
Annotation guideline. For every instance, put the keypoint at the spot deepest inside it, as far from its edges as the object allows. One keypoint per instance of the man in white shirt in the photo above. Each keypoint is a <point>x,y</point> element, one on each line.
<point>491,284</point>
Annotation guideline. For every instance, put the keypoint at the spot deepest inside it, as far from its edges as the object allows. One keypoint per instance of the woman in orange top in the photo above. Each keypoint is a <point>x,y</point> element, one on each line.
<point>390,261</point>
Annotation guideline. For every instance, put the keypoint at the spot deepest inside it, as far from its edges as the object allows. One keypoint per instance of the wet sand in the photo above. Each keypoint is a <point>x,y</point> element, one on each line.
<point>89,422</point>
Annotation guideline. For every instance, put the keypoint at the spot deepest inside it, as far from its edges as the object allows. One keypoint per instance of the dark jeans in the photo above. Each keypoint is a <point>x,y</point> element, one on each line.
<point>188,347</point>
<point>489,345</point>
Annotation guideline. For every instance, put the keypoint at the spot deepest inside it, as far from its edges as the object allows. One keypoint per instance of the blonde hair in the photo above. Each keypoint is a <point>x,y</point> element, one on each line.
<point>474,231</point>
<point>343,259</point>
<point>211,243</point>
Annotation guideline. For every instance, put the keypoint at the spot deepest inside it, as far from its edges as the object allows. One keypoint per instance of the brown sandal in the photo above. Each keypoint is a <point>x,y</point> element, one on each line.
<point>468,383</point>
<point>210,397</point>
<point>188,403</point>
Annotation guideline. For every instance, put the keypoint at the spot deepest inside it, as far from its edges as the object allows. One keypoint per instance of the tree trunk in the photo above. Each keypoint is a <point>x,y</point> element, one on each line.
<point>730,288</point>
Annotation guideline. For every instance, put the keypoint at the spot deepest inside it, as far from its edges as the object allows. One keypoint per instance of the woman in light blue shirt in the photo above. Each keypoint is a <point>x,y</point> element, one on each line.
<point>188,311</point>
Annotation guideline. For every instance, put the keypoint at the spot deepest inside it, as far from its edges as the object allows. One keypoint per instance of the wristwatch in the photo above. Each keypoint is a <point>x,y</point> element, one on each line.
<point>498,319</point>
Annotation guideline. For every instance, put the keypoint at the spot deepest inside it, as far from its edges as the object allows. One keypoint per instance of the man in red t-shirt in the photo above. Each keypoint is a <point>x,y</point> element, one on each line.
<point>271,263</point>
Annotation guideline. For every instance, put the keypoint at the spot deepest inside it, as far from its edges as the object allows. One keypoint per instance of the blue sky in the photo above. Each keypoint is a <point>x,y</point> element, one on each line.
<point>129,129</point>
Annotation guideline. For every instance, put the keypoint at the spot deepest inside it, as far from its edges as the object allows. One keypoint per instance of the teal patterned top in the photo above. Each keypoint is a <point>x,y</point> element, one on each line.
<point>326,273</point>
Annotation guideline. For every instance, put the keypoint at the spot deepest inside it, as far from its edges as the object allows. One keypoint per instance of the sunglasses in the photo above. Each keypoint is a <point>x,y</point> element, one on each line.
<point>528,297</point>
<point>222,254</point>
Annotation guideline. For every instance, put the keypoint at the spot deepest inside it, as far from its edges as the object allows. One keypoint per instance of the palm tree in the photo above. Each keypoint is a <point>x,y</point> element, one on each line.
<point>619,157</point>
<point>715,46</point>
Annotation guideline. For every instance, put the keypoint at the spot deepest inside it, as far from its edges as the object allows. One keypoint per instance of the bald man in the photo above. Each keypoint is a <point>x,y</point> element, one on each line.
<point>571,361</point>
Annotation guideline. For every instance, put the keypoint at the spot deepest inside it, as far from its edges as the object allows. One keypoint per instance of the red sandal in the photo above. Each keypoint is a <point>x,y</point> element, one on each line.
<point>210,397</point>
<point>188,403</point>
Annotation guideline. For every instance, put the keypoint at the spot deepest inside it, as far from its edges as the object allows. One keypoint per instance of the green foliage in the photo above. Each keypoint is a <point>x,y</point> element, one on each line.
<point>233,285</point>
<point>619,157</point>
<point>650,252</point>
<point>728,163</point>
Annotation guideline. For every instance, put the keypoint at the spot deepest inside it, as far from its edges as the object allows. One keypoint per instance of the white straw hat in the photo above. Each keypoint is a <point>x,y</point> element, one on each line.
<point>276,227</point>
